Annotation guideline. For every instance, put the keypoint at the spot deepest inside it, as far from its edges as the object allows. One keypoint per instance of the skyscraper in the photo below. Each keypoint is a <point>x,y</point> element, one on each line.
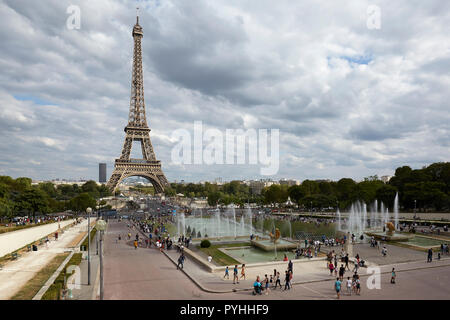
<point>102,172</point>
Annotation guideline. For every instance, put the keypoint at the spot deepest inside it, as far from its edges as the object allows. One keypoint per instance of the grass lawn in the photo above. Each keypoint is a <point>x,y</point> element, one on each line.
<point>218,256</point>
<point>29,290</point>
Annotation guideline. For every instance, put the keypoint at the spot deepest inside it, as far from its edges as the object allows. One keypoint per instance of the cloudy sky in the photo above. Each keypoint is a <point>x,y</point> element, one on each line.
<point>350,100</point>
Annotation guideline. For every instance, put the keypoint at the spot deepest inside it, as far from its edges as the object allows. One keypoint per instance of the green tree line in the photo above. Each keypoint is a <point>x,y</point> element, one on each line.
<point>18,197</point>
<point>427,188</point>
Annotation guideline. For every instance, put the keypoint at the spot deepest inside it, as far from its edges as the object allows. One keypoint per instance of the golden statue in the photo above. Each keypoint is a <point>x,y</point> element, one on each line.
<point>274,237</point>
<point>391,228</point>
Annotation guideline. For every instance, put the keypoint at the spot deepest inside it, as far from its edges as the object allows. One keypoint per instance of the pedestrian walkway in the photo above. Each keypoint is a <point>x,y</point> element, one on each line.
<point>17,273</point>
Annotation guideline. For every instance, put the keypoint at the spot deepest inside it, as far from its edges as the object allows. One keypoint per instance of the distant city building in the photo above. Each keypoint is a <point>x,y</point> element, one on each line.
<point>102,172</point>
<point>289,182</point>
<point>256,186</point>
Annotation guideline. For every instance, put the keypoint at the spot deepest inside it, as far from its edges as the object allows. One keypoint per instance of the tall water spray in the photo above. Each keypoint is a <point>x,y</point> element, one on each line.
<point>396,211</point>
<point>181,223</point>
<point>218,222</point>
<point>250,219</point>
<point>338,214</point>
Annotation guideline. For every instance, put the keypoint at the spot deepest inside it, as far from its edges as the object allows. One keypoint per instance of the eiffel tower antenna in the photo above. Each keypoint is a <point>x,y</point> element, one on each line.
<point>137,15</point>
<point>138,130</point>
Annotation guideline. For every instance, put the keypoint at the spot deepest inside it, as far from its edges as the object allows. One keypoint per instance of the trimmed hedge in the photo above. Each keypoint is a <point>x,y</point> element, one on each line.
<point>205,244</point>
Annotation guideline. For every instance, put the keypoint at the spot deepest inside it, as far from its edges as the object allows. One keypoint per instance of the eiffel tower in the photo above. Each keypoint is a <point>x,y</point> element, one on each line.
<point>138,130</point>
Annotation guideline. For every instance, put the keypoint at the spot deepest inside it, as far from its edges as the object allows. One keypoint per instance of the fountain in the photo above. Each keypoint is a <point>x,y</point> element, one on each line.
<point>396,211</point>
<point>338,214</point>
<point>181,223</point>
<point>358,217</point>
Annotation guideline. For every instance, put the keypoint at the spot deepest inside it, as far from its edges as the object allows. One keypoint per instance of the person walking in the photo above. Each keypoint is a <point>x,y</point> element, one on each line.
<point>227,275</point>
<point>337,287</point>
<point>287,285</point>
<point>430,255</point>
<point>341,272</point>
<point>243,271</point>
<point>355,269</point>
<point>180,261</point>
<point>331,267</point>
<point>349,286</point>
<point>135,244</point>
<point>358,285</point>
<point>277,280</point>
<point>266,284</point>
<point>290,266</point>
<point>235,274</point>
<point>393,276</point>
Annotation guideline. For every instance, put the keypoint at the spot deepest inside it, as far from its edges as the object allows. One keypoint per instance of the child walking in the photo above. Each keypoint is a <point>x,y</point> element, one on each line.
<point>227,275</point>
<point>393,275</point>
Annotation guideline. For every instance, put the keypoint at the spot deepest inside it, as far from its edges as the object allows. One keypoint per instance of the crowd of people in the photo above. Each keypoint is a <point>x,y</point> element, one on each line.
<point>274,281</point>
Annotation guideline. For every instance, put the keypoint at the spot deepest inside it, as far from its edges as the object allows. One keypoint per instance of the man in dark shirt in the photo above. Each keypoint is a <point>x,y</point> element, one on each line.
<point>341,272</point>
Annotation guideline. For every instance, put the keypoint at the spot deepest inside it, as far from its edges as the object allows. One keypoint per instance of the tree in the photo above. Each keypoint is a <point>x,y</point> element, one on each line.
<point>4,190</point>
<point>32,201</point>
<point>311,187</point>
<point>296,193</point>
<point>48,188</point>
<point>213,198</point>
<point>6,210</point>
<point>81,202</point>
<point>275,194</point>
<point>21,184</point>
<point>386,194</point>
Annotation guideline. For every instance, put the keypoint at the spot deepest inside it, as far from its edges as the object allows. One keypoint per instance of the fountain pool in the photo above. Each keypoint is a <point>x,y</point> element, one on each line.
<point>255,255</point>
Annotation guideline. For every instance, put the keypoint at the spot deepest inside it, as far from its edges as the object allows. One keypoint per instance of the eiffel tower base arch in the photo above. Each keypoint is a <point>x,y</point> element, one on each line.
<point>152,172</point>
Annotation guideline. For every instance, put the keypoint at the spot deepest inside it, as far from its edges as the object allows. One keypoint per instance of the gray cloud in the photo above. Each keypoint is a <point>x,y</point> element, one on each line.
<point>64,94</point>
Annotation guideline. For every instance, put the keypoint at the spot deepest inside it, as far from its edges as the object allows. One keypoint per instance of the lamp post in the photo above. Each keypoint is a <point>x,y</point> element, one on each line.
<point>101,227</point>
<point>88,211</point>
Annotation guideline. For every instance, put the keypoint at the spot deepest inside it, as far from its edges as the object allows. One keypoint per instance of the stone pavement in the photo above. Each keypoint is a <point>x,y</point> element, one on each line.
<point>395,254</point>
<point>17,273</point>
<point>402,259</point>
<point>146,273</point>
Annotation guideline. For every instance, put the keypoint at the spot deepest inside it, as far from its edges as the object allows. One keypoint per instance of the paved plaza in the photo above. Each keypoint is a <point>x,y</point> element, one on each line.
<point>146,273</point>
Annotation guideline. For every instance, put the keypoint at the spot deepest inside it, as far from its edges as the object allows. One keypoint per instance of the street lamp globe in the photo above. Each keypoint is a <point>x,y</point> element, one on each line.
<point>89,210</point>
<point>100,225</point>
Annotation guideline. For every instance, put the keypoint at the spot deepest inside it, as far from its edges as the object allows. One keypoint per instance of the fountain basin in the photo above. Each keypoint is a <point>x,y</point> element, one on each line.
<point>255,255</point>
<point>390,237</point>
<point>268,245</point>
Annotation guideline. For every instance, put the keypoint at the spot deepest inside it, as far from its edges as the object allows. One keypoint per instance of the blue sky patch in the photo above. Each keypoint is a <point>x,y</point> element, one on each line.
<point>36,100</point>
